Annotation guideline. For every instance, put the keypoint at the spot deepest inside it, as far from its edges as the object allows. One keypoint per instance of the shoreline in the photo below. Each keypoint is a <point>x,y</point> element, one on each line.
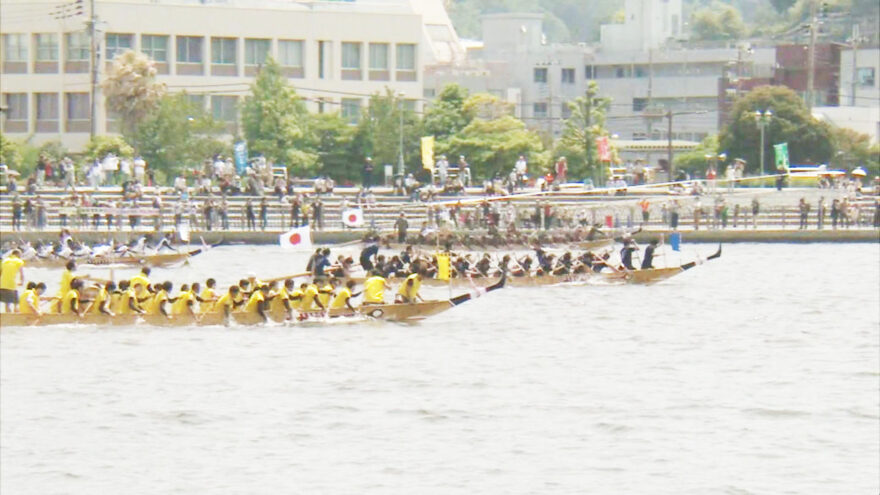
<point>330,237</point>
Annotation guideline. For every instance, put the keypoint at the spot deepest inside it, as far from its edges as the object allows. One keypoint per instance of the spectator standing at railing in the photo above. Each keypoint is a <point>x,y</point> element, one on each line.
<point>42,214</point>
<point>295,207</point>
<point>69,171</point>
<point>318,214</point>
<point>16,213</point>
<point>223,211</point>
<point>139,167</point>
<point>804,210</point>
<point>673,214</point>
<point>110,165</point>
<point>41,170</point>
<point>62,212</point>
<point>835,213</point>
<point>264,214</point>
<point>820,213</point>
<point>125,170</point>
<point>157,219</point>
<point>756,209</point>
<point>520,170</point>
<point>177,211</point>
<point>561,170</point>
<point>367,173</point>
<point>208,210</point>
<point>464,171</point>
<point>248,218</point>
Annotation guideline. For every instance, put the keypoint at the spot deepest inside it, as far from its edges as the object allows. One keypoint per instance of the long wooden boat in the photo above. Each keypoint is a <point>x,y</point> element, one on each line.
<point>154,260</point>
<point>389,312</point>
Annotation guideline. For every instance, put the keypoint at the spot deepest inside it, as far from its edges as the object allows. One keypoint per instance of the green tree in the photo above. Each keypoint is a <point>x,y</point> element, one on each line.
<point>718,22</point>
<point>276,121</point>
<point>695,160</point>
<point>178,135</point>
<point>809,141</point>
<point>99,146</point>
<point>493,145</point>
<point>131,89</point>
<point>378,132</point>
<point>10,153</point>
<point>586,123</point>
<point>334,144</point>
<point>446,115</point>
<point>854,149</point>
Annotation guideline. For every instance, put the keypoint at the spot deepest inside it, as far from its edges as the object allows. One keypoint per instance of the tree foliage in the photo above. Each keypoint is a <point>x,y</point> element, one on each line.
<point>855,149</point>
<point>378,132</point>
<point>131,89</point>
<point>10,152</point>
<point>276,121</point>
<point>446,115</point>
<point>718,22</point>
<point>809,141</point>
<point>178,135</point>
<point>695,160</point>
<point>99,146</point>
<point>334,145</point>
<point>586,123</point>
<point>493,145</point>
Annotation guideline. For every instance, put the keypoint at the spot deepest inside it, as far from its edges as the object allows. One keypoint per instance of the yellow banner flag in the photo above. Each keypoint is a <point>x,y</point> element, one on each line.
<point>443,271</point>
<point>428,153</point>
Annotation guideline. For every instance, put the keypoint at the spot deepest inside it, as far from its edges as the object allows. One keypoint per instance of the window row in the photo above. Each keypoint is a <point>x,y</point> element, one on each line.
<point>47,109</point>
<point>356,56</point>
<point>566,75</point>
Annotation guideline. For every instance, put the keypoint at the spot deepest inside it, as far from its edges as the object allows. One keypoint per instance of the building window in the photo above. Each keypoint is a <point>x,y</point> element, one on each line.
<point>566,110</point>
<point>47,106</point>
<point>223,108</point>
<point>590,72</point>
<point>865,76</point>
<point>540,74</point>
<point>406,56</point>
<point>290,53</point>
<point>197,101</point>
<point>15,47</point>
<point>77,47</point>
<point>539,110</point>
<point>155,47</point>
<point>189,49</point>
<point>77,106</point>
<point>641,72</point>
<point>378,56</point>
<point>351,56</point>
<point>116,44</point>
<point>223,51</point>
<point>47,47</point>
<point>256,51</point>
<point>639,104</point>
<point>351,110</point>
<point>620,72</point>
<point>567,76</point>
<point>17,106</point>
<point>409,105</point>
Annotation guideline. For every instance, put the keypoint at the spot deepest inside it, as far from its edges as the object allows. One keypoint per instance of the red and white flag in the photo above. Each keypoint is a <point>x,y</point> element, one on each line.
<point>298,238</point>
<point>353,217</point>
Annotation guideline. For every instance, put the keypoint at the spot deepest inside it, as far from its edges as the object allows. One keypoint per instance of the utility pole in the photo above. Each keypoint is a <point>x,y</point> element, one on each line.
<point>854,44</point>
<point>669,145</point>
<point>811,55</point>
<point>400,164</point>
<point>93,56</point>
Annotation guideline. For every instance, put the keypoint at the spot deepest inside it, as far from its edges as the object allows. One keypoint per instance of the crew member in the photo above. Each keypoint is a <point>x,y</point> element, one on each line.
<point>11,268</point>
<point>343,298</point>
<point>185,302</point>
<point>208,296</point>
<point>70,303</point>
<point>374,289</point>
<point>409,289</point>
<point>259,302</point>
<point>648,260</point>
<point>101,304</point>
<point>29,303</point>
<point>226,303</point>
<point>156,305</point>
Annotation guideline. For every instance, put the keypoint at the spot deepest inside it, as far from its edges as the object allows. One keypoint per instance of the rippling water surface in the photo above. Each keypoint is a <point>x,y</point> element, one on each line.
<point>756,373</point>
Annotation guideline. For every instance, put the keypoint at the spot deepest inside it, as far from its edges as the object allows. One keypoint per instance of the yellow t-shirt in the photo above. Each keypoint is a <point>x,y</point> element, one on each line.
<point>374,290</point>
<point>296,298</point>
<point>276,305</point>
<point>225,301</point>
<point>100,297</point>
<point>340,299</point>
<point>115,296</point>
<point>68,299</point>
<point>121,307</point>
<point>324,294</point>
<point>10,268</point>
<point>308,298</point>
<point>179,307</point>
<point>28,295</point>
<point>256,298</point>
<point>410,292</point>
<point>66,277</point>
<point>140,278</point>
<point>156,302</point>
<point>207,303</point>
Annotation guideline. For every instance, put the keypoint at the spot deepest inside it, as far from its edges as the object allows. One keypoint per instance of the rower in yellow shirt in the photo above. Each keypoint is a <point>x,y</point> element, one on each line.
<point>29,302</point>
<point>208,296</point>
<point>326,292</point>
<point>409,289</point>
<point>374,289</point>
<point>156,304</point>
<point>101,303</point>
<point>226,303</point>
<point>185,302</point>
<point>142,278</point>
<point>259,302</point>
<point>280,303</point>
<point>70,303</point>
<point>310,298</point>
<point>11,268</point>
<point>343,298</point>
<point>128,300</point>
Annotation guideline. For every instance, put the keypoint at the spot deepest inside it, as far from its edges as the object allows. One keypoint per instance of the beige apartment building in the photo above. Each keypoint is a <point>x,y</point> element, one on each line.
<point>336,54</point>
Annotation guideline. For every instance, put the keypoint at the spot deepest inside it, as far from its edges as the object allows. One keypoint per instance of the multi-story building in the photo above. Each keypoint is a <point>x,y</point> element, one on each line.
<point>336,54</point>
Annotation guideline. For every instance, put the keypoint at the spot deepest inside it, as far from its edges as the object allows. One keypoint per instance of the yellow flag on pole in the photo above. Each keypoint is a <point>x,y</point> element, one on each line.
<point>443,271</point>
<point>428,153</point>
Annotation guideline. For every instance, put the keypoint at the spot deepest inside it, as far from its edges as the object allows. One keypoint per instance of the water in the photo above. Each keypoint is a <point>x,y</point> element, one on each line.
<point>756,373</point>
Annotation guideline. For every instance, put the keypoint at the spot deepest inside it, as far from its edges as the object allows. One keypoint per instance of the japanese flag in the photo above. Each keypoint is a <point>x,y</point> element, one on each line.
<point>353,217</point>
<point>298,238</point>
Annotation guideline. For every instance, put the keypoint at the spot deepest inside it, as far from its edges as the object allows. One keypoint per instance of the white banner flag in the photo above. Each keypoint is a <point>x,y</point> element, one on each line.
<point>353,217</point>
<point>298,238</point>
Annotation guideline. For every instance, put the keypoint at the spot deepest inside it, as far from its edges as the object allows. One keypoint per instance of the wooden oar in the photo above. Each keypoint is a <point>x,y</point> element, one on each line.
<point>279,279</point>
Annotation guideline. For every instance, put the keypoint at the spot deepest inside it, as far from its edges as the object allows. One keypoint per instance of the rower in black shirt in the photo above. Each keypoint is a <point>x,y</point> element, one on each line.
<point>648,260</point>
<point>626,254</point>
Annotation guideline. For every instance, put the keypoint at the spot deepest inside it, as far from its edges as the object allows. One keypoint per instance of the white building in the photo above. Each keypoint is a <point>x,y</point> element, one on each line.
<point>647,25</point>
<point>861,82</point>
<point>336,54</point>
